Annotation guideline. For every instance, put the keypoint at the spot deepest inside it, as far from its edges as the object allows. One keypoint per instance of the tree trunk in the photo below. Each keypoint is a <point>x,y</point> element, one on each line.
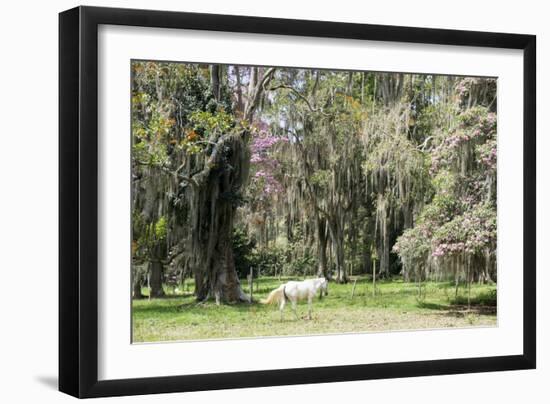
<point>137,288</point>
<point>215,197</point>
<point>367,244</point>
<point>215,194</point>
<point>374,279</point>
<point>289,231</point>
<point>337,236</point>
<point>220,281</point>
<point>239,90</point>
<point>155,280</point>
<point>385,250</point>
<point>215,81</point>
<point>322,270</point>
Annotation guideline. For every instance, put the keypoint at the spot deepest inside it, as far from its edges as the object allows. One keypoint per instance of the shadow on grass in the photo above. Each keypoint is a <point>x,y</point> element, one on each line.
<point>155,308</point>
<point>483,299</point>
<point>462,310</point>
<point>433,306</point>
<point>165,297</point>
<point>211,305</point>
<point>459,307</point>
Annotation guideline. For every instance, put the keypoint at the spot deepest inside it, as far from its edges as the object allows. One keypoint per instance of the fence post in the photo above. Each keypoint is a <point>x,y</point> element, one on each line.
<point>353,289</point>
<point>374,279</point>
<point>251,282</point>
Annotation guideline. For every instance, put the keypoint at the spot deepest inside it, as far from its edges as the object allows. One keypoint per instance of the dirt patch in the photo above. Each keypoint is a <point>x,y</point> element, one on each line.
<point>326,321</point>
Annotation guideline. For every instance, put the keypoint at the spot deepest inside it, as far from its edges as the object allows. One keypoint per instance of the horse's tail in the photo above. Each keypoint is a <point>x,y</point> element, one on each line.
<point>275,296</point>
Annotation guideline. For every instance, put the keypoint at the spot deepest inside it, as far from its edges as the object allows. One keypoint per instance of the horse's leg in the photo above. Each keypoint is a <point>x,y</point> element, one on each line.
<point>282,307</point>
<point>309,299</point>
<point>294,309</point>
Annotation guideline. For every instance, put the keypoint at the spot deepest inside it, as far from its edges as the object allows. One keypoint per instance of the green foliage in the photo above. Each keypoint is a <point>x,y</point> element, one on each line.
<point>173,113</point>
<point>160,228</point>
<point>205,128</point>
<point>482,298</point>
<point>209,124</point>
<point>173,109</point>
<point>270,260</point>
<point>301,265</point>
<point>151,139</point>
<point>320,178</point>
<point>243,251</point>
<point>148,237</point>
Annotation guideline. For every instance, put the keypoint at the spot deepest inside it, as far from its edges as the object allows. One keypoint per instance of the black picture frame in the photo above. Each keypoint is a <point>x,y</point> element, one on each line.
<point>78,201</point>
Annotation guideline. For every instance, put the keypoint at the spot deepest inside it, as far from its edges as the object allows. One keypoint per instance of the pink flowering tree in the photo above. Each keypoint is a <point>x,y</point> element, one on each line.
<point>455,233</point>
<point>264,164</point>
<point>264,188</point>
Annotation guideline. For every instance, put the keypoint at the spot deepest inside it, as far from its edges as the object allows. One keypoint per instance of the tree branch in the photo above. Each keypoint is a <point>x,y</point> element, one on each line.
<point>311,108</point>
<point>422,147</point>
<point>258,91</point>
<point>308,185</point>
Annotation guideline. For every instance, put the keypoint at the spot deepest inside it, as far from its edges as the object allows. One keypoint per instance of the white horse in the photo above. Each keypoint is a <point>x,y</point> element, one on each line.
<point>294,291</point>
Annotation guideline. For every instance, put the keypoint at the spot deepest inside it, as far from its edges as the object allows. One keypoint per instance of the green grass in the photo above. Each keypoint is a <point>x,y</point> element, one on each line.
<point>396,306</point>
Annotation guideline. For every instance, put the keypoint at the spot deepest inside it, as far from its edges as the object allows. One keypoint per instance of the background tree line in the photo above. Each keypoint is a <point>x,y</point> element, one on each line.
<point>310,172</point>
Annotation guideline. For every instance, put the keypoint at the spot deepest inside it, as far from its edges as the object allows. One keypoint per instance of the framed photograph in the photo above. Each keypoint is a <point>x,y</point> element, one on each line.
<point>251,201</point>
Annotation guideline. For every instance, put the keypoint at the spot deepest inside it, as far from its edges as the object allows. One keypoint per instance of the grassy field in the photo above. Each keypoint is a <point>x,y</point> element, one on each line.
<point>396,306</point>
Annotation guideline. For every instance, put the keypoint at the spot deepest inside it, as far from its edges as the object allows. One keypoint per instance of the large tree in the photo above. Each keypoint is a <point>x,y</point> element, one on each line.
<point>194,137</point>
